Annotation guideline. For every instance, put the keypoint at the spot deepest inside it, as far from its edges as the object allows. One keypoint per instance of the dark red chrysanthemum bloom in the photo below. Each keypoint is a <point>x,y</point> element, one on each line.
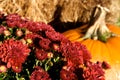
<point>14,53</point>
<point>63,46</point>
<point>38,26</point>
<point>33,26</point>
<point>41,54</point>
<point>75,56</point>
<point>32,36</point>
<point>72,53</point>
<point>22,23</point>
<point>45,27</point>
<point>39,74</point>
<point>53,35</point>
<point>34,39</point>
<point>67,75</point>
<point>12,19</point>
<point>70,66</point>
<point>93,71</point>
<point>44,43</point>
<point>2,28</point>
<point>105,65</point>
<point>86,53</point>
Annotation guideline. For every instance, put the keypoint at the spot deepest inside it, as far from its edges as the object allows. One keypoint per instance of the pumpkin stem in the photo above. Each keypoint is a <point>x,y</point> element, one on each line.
<point>97,26</point>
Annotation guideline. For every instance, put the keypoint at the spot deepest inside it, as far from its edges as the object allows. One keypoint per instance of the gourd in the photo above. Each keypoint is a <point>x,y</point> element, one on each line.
<point>101,39</point>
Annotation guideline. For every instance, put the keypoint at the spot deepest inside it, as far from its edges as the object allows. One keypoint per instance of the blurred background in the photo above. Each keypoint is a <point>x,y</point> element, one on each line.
<point>61,14</point>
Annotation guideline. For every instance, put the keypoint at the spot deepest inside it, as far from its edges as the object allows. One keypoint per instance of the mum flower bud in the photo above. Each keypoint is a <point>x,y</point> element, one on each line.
<point>19,33</point>
<point>3,68</point>
<point>56,47</point>
<point>23,41</point>
<point>6,32</point>
<point>50,55</point>
<point>29,41</point>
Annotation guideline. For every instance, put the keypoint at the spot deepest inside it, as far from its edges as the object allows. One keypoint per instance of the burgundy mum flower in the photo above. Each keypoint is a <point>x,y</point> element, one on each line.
<point>44,43</point>
<point>22,23</point>
<point>45,27</point>
<point>15,17</point>
<point>93,71</point>
<point>86,53</point>
<point>75,56</point>
<point>67,75</point>
<point>14,53</point>
<point>70,66</point>
<point>12,19</point>
<point>32,39</point>
<point>16,67</point>
<point>105,65</point>
<point>53,35</point>
<point>72,52</point>
<point>33,26</point>
<point>32,36</point>
<point>38,26</point>
<point>39,74</point>
<point>41,54</point>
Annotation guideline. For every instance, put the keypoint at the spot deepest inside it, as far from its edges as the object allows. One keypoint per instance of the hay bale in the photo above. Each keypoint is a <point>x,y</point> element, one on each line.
<point>12,6</point>
<point>66,10</point>
<point>37,10</point>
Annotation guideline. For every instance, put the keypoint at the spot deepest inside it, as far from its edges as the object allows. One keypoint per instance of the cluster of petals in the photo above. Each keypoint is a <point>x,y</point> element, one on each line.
<point>14,53</point>
<point>39,74</point>
<point>43,39</point>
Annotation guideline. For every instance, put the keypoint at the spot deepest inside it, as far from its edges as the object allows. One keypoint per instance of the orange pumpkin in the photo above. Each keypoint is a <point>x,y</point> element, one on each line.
<point>100,41</point>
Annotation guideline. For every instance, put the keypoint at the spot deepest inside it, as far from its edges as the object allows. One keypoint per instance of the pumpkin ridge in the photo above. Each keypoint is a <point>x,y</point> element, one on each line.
<point>114,50</point>
<point>86,42</point>
<point>105,51</point>
<point>96,52</point>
